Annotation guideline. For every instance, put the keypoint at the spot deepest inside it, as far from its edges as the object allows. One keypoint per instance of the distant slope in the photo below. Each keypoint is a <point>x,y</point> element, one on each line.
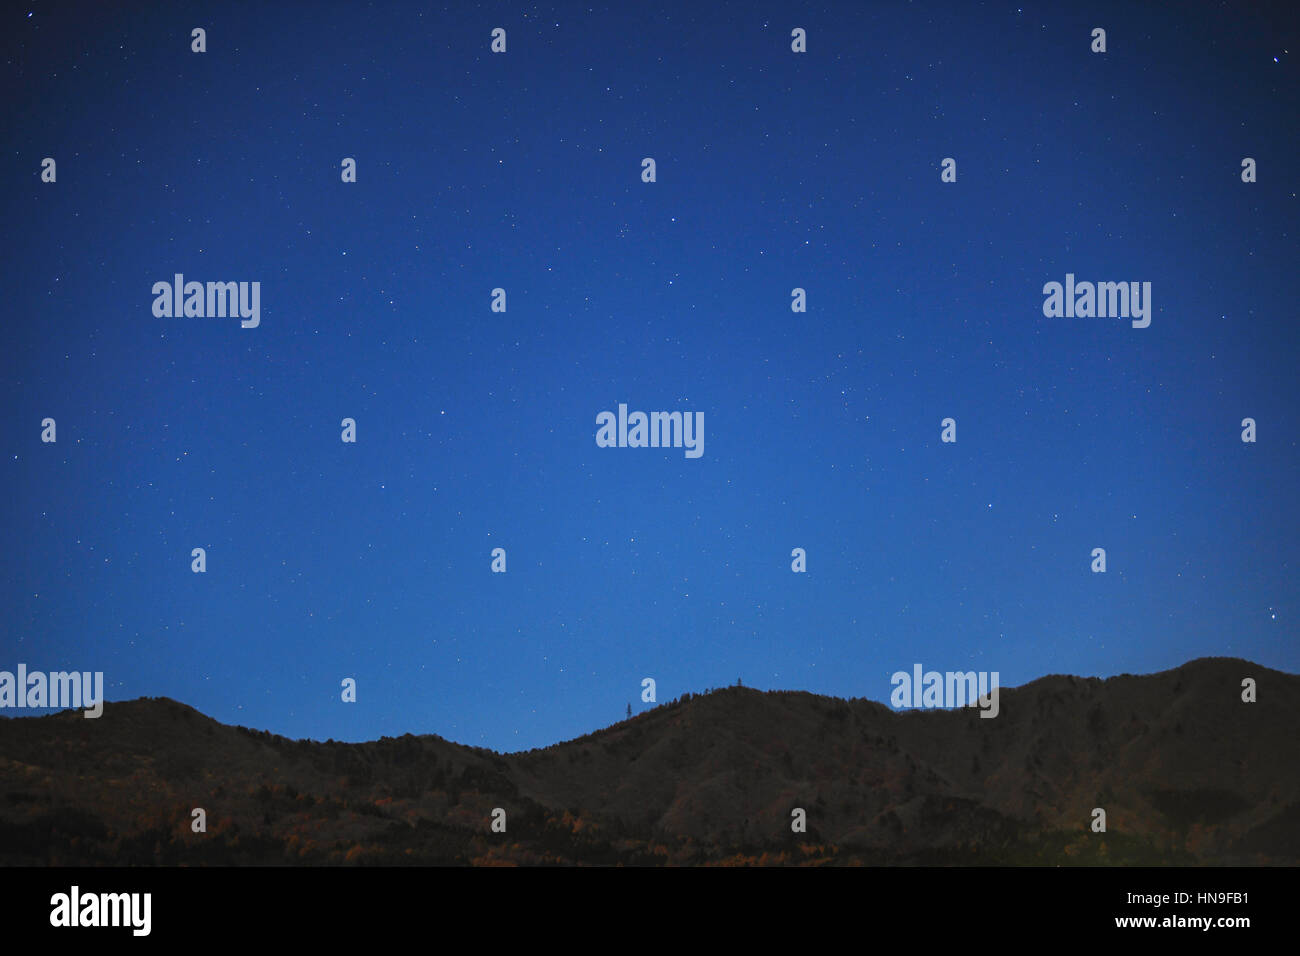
<point>1185,771</point>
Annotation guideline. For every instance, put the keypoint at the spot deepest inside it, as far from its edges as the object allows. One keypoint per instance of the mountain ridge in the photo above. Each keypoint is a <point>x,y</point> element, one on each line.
<point>1185,770</point>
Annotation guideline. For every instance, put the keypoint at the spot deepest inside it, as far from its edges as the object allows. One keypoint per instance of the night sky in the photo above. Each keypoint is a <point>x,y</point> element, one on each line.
<point>476,429</point>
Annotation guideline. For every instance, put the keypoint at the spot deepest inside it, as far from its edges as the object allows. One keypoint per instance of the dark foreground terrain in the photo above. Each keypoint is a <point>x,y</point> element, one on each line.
<point>1186,772</point>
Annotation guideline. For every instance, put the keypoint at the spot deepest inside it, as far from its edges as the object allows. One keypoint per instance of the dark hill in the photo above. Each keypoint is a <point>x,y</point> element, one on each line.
<point>1186,772</point>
